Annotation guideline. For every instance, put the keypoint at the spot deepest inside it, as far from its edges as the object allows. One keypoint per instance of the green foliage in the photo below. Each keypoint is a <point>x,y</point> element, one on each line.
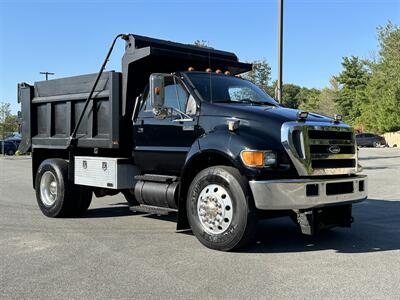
<point>353,81</point>
<point>201,43</point>
<point>387,79</point>
<point>308,99</point>
<point>260,74</point>
<point>289,95</point>
<point>381,111</point>
<point>8,122</point>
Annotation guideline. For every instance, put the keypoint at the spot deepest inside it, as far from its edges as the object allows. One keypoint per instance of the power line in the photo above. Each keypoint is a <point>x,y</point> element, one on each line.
<point>47,74</point>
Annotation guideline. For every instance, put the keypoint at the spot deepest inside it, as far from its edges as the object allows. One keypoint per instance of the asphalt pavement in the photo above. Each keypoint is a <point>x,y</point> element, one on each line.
<point>113,253</point>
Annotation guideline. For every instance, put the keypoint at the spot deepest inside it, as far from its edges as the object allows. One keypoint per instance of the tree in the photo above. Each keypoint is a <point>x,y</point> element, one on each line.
<point>381,112</point>
<point>326,105</point>
<point>8,122</point>
<point>353,81</point>
<point>201,43</point>
<point>290,93</point>
<point>260,74</point>
<point>386,81</point>
<point>308,99</point>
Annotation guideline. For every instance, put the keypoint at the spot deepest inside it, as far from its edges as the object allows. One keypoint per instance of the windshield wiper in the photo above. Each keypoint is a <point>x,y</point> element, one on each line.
<point>248,100</point>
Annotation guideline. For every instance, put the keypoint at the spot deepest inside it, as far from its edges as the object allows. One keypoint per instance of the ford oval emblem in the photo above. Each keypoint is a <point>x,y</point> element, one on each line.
<point>334,149</point>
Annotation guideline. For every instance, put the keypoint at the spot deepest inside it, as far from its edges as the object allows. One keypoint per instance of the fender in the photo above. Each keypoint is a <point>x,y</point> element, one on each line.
<point>215,148</point>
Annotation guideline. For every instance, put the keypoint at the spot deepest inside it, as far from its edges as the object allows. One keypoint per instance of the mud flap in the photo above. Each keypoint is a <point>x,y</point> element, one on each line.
<point>312,221</point>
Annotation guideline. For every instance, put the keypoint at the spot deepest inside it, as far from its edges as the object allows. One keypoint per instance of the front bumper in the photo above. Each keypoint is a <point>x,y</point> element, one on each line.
<point>289,194</point>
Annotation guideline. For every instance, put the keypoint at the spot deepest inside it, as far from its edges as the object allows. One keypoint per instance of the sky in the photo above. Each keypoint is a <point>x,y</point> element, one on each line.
<point>72,37</point>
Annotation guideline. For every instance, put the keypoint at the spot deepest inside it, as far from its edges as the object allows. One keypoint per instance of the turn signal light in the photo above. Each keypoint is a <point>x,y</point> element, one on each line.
<point>253,158</point>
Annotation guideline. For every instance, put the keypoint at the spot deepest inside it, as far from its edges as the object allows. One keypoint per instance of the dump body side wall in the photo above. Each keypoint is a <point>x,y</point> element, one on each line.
<point>50,110</point>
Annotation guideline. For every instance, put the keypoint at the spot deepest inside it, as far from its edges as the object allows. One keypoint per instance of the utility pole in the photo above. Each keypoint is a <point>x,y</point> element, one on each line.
<point>278,90</point>
<point>47,74</point>
<point>4,134</point>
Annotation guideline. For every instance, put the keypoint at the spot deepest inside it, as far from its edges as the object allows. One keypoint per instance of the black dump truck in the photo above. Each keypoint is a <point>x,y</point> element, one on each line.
<point>179,130</point>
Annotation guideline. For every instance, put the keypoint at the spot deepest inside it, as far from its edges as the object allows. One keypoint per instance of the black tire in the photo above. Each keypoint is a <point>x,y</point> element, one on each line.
<point>130,197</point>
<point>10,152</point>
<point>70,200</point>
<point>376,144</point>
<point>243,222</point>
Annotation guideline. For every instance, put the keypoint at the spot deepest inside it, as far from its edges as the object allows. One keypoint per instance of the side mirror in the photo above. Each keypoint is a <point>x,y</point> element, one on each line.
<point>157,93</point>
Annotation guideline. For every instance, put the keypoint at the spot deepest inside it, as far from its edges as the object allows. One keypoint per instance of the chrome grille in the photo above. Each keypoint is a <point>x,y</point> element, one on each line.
<point>320,148</point>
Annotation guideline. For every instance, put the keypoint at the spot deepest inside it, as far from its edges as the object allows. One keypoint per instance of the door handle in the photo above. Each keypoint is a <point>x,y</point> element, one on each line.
<point>183,120</point>
<point>140,128</point>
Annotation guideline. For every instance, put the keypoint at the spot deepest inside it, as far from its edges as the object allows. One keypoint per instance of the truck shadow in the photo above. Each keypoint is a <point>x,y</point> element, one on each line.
<point>121,209</point>
<point>376,228</point>
<point>108,212</point>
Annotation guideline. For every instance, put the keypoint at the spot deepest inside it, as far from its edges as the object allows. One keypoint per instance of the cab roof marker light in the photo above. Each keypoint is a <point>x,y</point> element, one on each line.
<point>302,115</point>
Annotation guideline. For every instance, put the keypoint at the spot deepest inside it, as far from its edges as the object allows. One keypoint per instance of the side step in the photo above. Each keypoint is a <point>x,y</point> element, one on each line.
<point>157,178</point>
<point>152,209</point>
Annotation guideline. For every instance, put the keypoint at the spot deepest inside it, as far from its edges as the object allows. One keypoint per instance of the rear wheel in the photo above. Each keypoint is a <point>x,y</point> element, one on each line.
<point>130,197</point>
<point>376,144</point>
<point>220,209</point>
<point>10,152</point>
<point>56,195</point>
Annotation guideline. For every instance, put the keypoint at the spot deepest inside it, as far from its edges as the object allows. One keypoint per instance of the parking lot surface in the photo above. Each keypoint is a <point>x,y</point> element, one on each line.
<point>113,253</point>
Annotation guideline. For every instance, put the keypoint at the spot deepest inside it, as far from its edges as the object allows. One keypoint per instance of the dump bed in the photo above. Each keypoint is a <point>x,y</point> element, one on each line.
<point>50,110</point>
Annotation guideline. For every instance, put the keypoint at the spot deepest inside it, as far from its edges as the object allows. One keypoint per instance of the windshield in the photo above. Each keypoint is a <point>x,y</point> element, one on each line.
<point>218,88</point>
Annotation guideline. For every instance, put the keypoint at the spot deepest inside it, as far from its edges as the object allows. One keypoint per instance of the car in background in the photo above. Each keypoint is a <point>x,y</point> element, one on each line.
<point>13,136</point>
<point>10,146</point>
<point>370,140</point>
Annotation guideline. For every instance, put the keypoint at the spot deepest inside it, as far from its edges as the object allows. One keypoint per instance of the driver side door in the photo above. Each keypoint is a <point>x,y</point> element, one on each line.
<point>161,145</point>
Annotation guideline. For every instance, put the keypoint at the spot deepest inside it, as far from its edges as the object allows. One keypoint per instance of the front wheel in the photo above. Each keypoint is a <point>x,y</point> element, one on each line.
<point>220,208</point>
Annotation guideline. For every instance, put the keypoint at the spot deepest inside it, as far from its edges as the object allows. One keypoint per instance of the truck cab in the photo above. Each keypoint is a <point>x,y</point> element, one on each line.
<point>180,131</point>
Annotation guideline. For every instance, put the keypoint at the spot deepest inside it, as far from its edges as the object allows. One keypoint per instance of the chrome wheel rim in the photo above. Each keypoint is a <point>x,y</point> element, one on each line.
<point>214,209</point>
<point>48,188</point>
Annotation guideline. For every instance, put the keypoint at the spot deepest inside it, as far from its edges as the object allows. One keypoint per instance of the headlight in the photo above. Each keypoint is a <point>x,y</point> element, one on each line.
<point>255,158</point>
<point>270,158</point>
